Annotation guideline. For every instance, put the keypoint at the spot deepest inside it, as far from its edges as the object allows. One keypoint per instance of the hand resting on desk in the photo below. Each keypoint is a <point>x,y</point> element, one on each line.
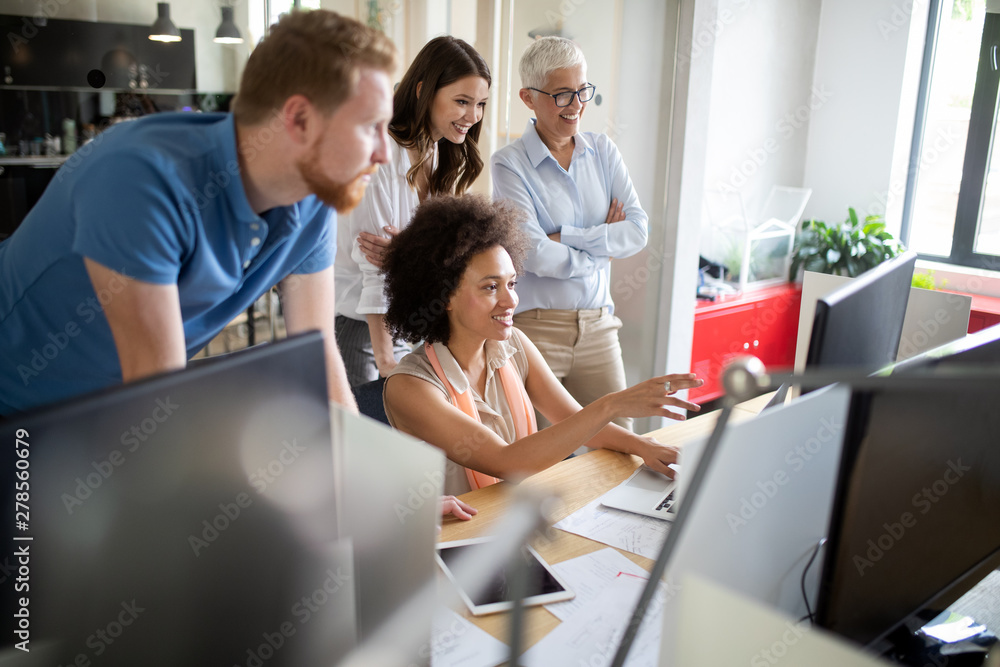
<point>459,508</point>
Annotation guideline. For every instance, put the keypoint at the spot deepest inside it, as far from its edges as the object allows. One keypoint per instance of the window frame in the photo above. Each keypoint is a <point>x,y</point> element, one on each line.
<point>978,147</point>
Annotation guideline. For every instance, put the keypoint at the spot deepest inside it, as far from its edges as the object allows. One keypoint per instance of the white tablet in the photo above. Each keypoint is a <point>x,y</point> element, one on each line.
<point>543,586</point>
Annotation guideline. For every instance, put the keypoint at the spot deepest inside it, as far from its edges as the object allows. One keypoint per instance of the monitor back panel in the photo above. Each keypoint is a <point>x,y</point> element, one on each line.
<point>763,507</point>
<point>918,506</point>
<point>183,519</point>
<point>978,350</point>
<point>389,495</point>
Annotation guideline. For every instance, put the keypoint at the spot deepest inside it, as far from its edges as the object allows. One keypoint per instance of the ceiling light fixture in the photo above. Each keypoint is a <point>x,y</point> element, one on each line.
<point>163,29</point>
<point>228,33</point>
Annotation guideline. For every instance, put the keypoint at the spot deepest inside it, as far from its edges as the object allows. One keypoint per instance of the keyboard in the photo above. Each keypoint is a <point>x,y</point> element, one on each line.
<point>667,503</point>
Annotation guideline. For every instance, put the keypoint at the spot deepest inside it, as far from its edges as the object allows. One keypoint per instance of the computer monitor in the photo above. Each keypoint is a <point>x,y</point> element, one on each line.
<point>916,519</point>
<point>764,505</point>
<point>980,349</point>
<point>184,519</point>
<point>389,489</point>
<point>859,325</point>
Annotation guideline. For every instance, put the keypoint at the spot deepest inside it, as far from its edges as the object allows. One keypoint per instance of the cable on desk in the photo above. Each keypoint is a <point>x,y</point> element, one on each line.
<point>805,597</point>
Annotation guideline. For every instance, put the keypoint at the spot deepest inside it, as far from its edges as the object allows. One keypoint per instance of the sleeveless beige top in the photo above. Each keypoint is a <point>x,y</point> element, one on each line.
<point>493,410</point>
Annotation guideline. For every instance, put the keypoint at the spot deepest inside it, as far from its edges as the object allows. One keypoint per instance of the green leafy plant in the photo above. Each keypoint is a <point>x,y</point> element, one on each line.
<point>846,249</point>
<point>927,281</point>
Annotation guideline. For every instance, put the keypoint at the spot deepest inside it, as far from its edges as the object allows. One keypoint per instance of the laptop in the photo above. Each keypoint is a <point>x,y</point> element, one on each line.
<point>646,492</point>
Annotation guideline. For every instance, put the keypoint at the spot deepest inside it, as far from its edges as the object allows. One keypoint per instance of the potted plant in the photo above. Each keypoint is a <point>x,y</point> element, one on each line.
<point>928,281</point>
<point>846,249</point>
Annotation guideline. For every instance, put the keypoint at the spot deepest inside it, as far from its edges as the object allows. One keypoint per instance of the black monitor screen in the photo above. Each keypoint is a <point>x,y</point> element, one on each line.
<point>859,325</point>
<point>183,519</point>
<point>916,519</point>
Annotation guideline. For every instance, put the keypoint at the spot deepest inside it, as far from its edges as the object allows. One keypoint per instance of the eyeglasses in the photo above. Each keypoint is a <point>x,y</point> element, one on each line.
<point>565,99</point>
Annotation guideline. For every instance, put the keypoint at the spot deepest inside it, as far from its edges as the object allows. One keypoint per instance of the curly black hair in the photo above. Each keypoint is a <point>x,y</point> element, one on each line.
<point>424,264</point>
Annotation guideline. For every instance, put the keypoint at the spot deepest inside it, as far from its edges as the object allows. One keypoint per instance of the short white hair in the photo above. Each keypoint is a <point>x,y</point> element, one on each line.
<point>544,56</point>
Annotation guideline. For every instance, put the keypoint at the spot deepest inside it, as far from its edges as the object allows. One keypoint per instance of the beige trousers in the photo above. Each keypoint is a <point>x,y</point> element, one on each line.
<point>581,347</point>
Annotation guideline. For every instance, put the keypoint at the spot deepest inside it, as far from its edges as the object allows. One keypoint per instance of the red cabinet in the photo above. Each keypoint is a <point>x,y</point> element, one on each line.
<point>763,323</point>
<point>985,313</point>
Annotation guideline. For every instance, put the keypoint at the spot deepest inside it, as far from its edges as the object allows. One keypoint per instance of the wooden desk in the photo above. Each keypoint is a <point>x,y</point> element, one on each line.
<point>576,481</point>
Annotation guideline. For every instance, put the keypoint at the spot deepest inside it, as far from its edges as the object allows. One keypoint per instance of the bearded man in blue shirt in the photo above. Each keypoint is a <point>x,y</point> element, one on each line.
<point>157,234</point>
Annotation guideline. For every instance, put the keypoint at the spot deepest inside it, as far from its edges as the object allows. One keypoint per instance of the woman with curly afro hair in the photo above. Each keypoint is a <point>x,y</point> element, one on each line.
<point>472,387</point>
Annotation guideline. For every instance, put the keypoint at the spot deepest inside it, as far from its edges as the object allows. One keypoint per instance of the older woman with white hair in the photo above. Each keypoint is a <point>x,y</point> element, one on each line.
<point>582,211</point>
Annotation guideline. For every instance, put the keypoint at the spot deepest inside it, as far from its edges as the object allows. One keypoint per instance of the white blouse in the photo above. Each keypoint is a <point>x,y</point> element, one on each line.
<point>388,201</point>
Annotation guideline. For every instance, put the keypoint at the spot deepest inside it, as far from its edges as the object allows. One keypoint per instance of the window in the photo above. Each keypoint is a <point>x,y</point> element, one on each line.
<point>951,212</point>
<point>262,14</point>
<point>279,7</point>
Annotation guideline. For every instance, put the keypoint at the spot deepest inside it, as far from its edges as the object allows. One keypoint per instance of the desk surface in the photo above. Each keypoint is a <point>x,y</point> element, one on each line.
<point>576,481</point>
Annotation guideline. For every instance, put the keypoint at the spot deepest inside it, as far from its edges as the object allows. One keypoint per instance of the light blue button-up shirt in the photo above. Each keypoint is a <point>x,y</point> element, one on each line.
<point>573,274</point>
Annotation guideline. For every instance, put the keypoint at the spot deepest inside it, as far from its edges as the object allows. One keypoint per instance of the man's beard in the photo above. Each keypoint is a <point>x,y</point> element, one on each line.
<point>344,197</point>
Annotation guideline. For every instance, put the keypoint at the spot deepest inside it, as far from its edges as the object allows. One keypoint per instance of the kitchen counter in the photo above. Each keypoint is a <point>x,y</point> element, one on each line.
<point>41,161</point>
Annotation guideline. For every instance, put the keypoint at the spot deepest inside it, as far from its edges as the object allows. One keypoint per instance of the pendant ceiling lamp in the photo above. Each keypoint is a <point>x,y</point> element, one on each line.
<point>163,29</point>
<point>228,33</point>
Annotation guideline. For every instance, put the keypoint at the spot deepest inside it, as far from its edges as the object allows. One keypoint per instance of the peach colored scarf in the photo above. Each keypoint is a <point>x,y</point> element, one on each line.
<point>521,409</point>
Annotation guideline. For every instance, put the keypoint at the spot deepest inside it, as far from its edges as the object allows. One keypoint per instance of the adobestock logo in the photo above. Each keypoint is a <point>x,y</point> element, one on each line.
<point>924,501</point>
<point>44,10</point>
<point>786,127</point>
<point>303,611</point>
<point>59,340</point>
<point>796,459</point>
<point>773,654</point>
<point>227,516</point>
<point>103,638</point>
<point>229,512</point>
<point>131,440</point>
<point>427,491</point>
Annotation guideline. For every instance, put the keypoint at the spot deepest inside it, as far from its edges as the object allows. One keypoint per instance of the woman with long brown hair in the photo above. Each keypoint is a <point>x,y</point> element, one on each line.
<point>437,113</point>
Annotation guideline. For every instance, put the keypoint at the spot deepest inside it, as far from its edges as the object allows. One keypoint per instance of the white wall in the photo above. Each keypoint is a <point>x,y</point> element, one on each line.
<point>762,92</point>
<point>860,60</point>
<point>685,156</point>
<point>428,19</point>
<point>742,67</point>
<point>591,24</point>
<point>636,126</point>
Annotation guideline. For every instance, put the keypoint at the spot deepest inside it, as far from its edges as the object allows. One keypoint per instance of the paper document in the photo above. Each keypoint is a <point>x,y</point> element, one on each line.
<point>952,628</point>
<point>591,635</point>
<point>982,602</point>
<point>587,576</point>
<point>455,642</point>
<point>627,531</point>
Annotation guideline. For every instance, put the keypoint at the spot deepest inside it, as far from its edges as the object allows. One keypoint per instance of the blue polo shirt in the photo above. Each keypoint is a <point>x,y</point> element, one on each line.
<point>160,200</point>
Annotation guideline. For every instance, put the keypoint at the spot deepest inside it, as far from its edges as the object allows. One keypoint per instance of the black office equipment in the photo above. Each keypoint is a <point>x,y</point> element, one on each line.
<point>185,519</point>
<point>54,52</point>
<point>859,325</point>
<point>916,519</point>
